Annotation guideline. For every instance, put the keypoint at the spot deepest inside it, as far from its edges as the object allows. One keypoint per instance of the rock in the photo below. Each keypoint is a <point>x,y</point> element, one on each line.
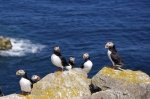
<point>13,96</point>
<point>110,94</point>
<point>5,43</point>
<point>125,84</point>
<point>106,84</point>
<point>71,84</point>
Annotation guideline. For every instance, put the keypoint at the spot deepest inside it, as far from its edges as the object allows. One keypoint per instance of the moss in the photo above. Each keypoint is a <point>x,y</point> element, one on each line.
<point>127,75</point>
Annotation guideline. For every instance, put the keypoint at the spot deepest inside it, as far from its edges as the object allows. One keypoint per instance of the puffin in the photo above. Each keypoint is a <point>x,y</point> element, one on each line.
<point>71,63</point>
<point>57,59</point>
<point>25,83</point>
<point>87,65</point>
<point>1,93</point>
<point>114,56</point>
<point>35,78</point>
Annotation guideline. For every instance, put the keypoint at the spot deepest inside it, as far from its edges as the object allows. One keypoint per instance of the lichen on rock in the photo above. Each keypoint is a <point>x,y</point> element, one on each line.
<point>133,84</point>
<point>71,84</point>
<point>126,75</point>
<point>13,96</point>
<point>74,84</point>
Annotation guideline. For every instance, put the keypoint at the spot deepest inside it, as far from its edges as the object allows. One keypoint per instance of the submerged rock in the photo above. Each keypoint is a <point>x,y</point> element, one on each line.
<point>125,84</point>
<point>5,43</point>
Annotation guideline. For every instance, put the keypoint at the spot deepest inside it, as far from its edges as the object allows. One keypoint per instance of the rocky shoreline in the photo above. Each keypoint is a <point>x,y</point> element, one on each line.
<point>106,84</point>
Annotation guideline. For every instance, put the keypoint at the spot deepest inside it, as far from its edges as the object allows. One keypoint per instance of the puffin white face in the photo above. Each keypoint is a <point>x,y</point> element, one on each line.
<point>20,72</point>
<point>72,59</point>
<point>57,49</point>
<point>35,78</point>
<point>109,45</point>
<point>85,55</point>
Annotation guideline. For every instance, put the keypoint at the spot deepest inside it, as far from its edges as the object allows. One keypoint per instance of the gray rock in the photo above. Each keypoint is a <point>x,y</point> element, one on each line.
<point>127,84</point>
<point>13,96</point>
<point>111,94</point>
<point>72,84</point>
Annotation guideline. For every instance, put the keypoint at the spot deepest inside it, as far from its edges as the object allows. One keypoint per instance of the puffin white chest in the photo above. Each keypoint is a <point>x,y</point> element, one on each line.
<point>25,85</point>
<point>87,66</point>
<point>69,67</point>
<point>109,55</point>
<point>56,60</point>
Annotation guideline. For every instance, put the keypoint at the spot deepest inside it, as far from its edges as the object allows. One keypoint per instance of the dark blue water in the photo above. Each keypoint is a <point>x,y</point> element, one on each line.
<point>78,26</point>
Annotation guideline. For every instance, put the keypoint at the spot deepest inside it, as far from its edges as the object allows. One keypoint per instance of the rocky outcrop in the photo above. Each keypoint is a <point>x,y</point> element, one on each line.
<point>13,96</point>
<point>121,84</point>
<point>5,43</point>
<point>63,85</point>
<point>74,84</point>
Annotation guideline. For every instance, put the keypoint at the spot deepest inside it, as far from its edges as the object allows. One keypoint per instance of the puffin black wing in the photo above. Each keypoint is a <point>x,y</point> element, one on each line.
<point>1,93</point>
<point>82,66</point>
<point>63,61</point>
<point>32,82</point>
<point>116,59</point>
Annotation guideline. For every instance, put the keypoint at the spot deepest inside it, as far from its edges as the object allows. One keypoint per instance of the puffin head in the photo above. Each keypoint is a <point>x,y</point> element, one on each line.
<point>109,45</point>
<point>57,49</point>
<point>35,78</point>
<point>20,73</point>
<point>86,56</point>
<point>72,59</point>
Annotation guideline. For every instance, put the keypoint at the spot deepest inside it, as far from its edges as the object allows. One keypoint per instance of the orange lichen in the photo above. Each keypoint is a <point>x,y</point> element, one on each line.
<point>126,75</point>
<point>61,85</point>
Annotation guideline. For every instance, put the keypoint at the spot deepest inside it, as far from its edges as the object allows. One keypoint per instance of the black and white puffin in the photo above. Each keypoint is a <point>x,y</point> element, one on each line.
<point>71,63</point>
<point>57,59</point>
<point>87,65</point>
<point>114,56</point>
<point>25,83</point>
<point>35,78</point>
<point>1,93</point>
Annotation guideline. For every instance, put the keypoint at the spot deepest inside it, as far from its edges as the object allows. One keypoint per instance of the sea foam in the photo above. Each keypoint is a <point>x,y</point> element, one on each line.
<point>22,47</point>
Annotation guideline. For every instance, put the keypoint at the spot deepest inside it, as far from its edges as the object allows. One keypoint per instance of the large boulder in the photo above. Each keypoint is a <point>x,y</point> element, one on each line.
<point>13,96</point>
<point>5,43</point>
<point>121,84</point>
<point>72,84</point>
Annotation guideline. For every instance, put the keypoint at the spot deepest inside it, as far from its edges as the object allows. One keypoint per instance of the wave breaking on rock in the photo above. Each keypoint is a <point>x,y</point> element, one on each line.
<point>22,47</point>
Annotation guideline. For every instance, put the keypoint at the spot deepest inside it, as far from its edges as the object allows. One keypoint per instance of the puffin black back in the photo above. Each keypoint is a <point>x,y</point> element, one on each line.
<point>1,93</point>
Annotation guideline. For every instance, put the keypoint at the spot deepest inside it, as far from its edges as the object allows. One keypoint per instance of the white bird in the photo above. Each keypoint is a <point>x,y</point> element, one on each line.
<point>87,65</point>
<point>71,63</point>
<point>57,59</point>
<point>25,82</point>
<point>35,78</point>
<point>114,56</point>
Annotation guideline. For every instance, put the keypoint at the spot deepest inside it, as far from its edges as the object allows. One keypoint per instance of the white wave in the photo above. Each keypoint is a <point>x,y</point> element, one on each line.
<point>22,47</point>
